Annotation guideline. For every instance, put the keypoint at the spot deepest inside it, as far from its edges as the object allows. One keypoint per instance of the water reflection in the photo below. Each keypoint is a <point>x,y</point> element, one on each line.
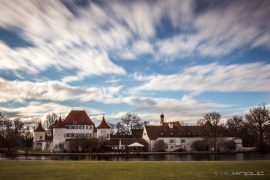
<point>145,157</point>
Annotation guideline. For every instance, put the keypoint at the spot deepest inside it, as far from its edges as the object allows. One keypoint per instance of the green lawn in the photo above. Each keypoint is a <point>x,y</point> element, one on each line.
<point>131,170</point>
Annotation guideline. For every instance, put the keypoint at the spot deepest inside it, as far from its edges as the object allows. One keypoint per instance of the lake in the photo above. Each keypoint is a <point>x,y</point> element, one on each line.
<point>147,157</point>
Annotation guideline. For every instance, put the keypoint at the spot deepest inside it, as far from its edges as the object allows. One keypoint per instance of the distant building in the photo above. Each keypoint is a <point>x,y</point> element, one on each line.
<point>176,137</point>
<point>76,124</point>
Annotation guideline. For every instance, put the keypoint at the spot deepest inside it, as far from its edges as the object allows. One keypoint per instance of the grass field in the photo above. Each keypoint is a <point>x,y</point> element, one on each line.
<point>132,170</point>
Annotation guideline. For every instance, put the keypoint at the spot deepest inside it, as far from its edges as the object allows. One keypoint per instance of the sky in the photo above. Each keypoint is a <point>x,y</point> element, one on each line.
<point>180,57</point>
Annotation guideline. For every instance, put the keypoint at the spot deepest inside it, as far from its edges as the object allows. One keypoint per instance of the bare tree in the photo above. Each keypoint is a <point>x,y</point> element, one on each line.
<point>10,138</point>
<point>131,121</point>
<point>120,129</point>
<point>259,118</point>
<point>235,125</point>
<point>210,123</point>
<point>50,121</point>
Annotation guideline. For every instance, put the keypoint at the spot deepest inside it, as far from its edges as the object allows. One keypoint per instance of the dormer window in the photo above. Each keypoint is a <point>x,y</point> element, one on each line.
<point>40,137</point>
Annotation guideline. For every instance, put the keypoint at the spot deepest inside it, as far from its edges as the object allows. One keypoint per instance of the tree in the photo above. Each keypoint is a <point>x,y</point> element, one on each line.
<point>131,121</point>
<point>259,118</point>
<point>235,125</point>
<point>239,127</point>
<point>210,123</point>
<point>200,145</point>
<point>159,146</point>
<point>18,125</point>
<point>113,128</point>
<point>10,137</point>
<point>83,144</point>
<point>120,129</point>
<point>50,121</point>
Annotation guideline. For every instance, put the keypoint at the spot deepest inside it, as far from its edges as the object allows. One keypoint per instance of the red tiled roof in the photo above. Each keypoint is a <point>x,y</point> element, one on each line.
<point>180,131</point>
<point>59,124</point>
<point>78,117</point>
<point>39,128</point>
<point>103,124</point>
<point>174,123</point>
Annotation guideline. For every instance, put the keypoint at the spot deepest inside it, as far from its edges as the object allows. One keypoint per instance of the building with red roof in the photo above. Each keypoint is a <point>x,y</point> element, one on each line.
<point>77,124</point>
<point>103,130</point>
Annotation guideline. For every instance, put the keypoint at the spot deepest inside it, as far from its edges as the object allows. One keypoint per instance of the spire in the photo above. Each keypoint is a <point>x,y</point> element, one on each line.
<point>103,124</point>
<point>60,119</point>
<point>39,128</point>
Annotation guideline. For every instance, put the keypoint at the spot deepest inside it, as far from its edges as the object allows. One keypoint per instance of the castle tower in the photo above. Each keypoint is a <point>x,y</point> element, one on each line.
<point>39,138</point>
<point>103,130</point>
<point>59,130</point>
<point>39,133</point>
<point>161,119</point>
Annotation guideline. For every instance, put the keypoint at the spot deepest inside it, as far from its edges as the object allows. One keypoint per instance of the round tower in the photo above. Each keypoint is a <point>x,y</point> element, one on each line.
<point>59,135</point>
<point>103,130</point>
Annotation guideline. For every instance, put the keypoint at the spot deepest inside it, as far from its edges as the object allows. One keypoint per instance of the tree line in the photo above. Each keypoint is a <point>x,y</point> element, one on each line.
<point>253,128</point>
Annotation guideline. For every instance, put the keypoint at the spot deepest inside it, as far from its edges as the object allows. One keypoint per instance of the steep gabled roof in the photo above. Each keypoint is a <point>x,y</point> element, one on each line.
<point>59,124</point>
<point>103,124</point>
<point>78,117</point>
<point>39,128</point>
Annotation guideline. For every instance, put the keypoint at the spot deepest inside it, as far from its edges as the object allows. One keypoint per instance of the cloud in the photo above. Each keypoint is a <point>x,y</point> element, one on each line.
<point>20,91</point>
<point>39,110</point>
<point>220,30</point>
<point>186,109</point>
<point>251,77</point>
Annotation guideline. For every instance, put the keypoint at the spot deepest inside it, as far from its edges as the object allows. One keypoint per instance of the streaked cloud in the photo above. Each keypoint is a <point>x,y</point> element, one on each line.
<point>139,56</point>
<point>251,77</point>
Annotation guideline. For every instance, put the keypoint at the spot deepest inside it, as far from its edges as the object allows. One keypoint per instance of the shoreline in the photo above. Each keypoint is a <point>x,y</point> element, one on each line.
<point>120,154</point>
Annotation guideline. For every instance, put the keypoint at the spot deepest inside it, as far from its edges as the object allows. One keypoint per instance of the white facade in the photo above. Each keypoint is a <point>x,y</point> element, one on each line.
<point>39,136</point>
<point>103,134</point>
<point>176,143</point>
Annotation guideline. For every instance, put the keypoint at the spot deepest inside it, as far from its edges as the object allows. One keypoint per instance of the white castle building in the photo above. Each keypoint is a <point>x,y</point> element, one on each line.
<point>176,136</point>
<point>76,124</point>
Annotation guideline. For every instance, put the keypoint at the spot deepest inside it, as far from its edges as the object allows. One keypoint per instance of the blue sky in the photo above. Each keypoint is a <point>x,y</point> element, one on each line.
<point>180,57</point>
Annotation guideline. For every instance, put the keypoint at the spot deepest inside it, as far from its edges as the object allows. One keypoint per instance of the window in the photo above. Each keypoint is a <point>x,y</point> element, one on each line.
<point>171,140</point>
<point>183,141</point>
<point>40,137</point>
<point>90,127</point>
<point>171,147</point>
<point>107,135</point>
